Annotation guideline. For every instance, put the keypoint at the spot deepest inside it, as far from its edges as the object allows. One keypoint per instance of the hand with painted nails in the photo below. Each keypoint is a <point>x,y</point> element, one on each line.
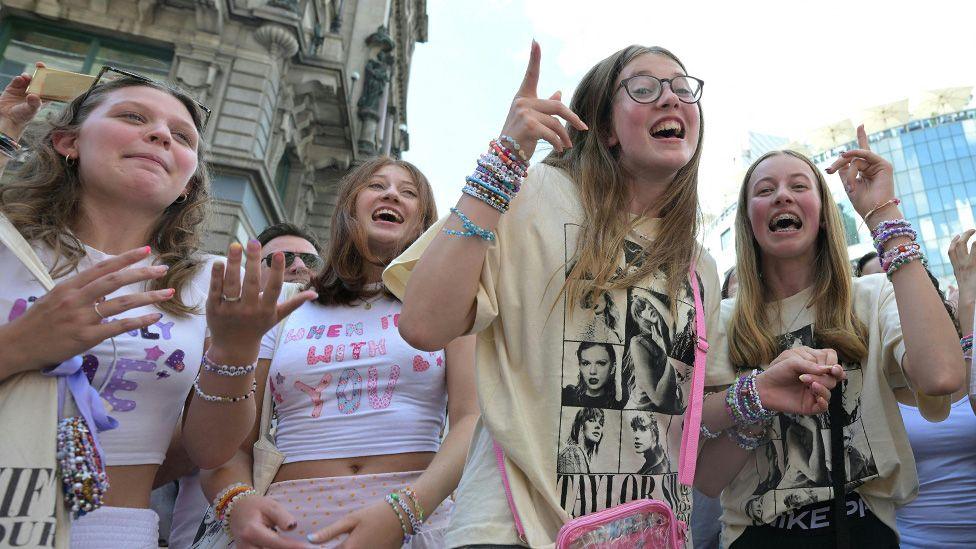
<point>240,312</point>
<point>868,179</point>
<point>17,107</point>
<point>76,310</point>
<point>799,380</point>
<point>962,255</point>
<point>259,522</point>
<point>374,526</point>
<point>531,118</point>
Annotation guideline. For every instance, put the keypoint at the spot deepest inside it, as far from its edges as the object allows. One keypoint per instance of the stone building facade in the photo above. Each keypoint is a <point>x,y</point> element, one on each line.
<point>301,90</point>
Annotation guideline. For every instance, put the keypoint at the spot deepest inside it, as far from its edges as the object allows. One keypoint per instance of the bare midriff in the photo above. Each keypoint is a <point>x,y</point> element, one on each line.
<point>129,485</point>
<point>364,465</point>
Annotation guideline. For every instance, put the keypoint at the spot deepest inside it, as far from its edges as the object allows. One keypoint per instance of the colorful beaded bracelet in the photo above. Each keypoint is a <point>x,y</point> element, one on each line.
<point>967,346</point>
<point>83,478</point>
<point>515,145</point>
<point>408,491</point>
<point>414,523</point>
<point>403,523</point>
<point>745,440</point>
<point>223,399</point>
<point>487,199</point>
<point>470,229</point>
<point>220,501</point>
<point>903,259</point>
<point>743,404</point>
<point>229,508</point>
<point>708,433</point>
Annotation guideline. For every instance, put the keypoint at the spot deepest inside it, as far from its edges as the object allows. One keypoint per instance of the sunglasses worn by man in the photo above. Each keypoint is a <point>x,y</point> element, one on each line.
<point>311,261</point>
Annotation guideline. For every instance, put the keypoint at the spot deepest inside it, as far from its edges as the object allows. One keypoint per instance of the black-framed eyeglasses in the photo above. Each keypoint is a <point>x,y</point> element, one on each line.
<point>312,261</point>
<point>128,74</point>
<point>645,88</point>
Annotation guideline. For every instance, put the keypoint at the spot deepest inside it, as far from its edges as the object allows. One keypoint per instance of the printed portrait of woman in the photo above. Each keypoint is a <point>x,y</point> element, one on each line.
<point>647,443</point>
<point>605,325</point>
<point>596,383</point>
<point>583,443</point>
<point>652,380</point>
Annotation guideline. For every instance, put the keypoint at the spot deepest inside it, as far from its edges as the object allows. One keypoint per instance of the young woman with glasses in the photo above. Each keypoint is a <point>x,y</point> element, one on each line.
<point>613,209</point>
<point>360,412</point>
<point>112,198</point>
<point>835,479</point>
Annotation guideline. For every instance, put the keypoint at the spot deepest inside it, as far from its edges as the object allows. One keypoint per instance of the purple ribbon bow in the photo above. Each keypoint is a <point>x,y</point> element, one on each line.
<point>86,397</point>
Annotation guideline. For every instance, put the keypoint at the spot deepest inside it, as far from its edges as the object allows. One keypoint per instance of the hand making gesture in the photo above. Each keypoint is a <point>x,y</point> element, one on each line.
<point>531,119</point>
<point>17,107</point>
<point>868,178</point>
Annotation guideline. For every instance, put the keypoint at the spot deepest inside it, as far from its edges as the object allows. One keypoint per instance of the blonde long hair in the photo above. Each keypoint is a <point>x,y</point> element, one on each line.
<point>605,196</point>
<point>751,336</point>
<point>43,200</point>
<point>343,279</point>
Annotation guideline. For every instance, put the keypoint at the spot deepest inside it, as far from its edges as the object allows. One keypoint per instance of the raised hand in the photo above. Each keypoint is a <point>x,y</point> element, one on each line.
<point>239,313</point>
<point>963,259</point>
<point>257,521</point>
<point>868,178</point>
<point>17,107</point>
<point>531,119</point>
<point>77,311</point>
<point>799,381</point>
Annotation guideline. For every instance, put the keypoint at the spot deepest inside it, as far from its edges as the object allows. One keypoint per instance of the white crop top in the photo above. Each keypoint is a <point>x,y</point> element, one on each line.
<point>345,384</point>
<point>153,368</point>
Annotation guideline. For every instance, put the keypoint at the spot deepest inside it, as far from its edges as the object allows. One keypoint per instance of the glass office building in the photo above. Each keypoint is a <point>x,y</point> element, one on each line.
<point>935,176</point>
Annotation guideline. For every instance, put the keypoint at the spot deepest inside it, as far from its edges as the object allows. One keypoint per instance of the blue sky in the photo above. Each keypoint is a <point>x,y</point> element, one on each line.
<point>782,68</point>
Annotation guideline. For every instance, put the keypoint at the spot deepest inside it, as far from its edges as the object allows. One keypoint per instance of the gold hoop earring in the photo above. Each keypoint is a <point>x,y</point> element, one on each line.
<point>69,161</point>
<point>181,199</point>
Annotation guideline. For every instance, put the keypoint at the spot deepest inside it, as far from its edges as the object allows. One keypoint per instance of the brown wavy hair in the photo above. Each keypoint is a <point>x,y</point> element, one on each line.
<point>751,337</point>
<point>605,196</point>
<point>343,278</point>
<point>43,199</point>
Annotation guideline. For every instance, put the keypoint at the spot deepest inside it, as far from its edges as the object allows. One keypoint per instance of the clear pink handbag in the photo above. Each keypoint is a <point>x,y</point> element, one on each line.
<point>642,523</point>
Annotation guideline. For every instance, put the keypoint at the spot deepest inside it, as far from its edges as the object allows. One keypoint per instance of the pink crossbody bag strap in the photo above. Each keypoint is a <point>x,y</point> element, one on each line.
<point>692,425</point>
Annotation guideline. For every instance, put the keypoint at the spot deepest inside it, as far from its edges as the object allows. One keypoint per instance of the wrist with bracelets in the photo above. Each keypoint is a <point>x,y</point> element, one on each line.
<point>743,404</point>
<point>898,256</point>
<point>224,503</point>
<point>497,178</point>
<point>227,370</point>
<point>220,398</point>
<point>403,523</point>
<point>967,347</point>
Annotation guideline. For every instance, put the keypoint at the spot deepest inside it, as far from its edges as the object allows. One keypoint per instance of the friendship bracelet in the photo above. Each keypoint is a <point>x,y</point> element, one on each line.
<point>967,346</point>
<point>895,201</point>
<point>476,193</point>
<point>489,187</point>
<point>743,403</point>
<point>470,229</point>
<point>226,370</point>
<point>414,523</point>
<point>222,399</point>
<point>225,520</point>
<point>224,496</point>
<point>708,433</point>
<point>408,491</point>
<point>901,249</point>
<point>904,259</point>
<point>503,138</point>
<point>403,524</point>
<point>745,440</point>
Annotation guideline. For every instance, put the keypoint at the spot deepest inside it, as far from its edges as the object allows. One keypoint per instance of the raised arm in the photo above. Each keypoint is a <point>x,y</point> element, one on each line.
<point>963,258</point>
<point>17,109</point>
<point>933,359</point>
<point>439,304</point>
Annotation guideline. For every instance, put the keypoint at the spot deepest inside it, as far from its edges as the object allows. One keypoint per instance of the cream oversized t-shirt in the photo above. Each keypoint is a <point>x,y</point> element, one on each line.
<point>793,469</point>
<point>603,389</point>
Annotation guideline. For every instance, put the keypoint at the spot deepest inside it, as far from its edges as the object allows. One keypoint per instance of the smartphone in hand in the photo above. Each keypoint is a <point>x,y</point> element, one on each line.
<point>57,85</point>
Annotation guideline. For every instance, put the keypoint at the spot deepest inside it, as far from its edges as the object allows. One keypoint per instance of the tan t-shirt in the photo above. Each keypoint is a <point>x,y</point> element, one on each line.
<point>587,407</point>
<point>792,469</point>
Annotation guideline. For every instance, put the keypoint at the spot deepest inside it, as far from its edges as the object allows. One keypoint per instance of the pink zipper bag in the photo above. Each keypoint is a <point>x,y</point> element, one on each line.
<point>641,523</point>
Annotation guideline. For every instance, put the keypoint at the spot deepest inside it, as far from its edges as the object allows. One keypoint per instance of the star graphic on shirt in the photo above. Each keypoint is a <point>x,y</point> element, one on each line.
<point>153,353</point>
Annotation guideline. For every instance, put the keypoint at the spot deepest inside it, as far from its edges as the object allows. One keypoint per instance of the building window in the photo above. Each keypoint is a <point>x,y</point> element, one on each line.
<point>22,42</point>
<point>850,226</point>
<point>726,239</point>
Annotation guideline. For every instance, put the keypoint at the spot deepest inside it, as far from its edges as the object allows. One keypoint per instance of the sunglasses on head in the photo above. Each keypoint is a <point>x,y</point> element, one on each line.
<point>311,261</point>
<point>122,73</point>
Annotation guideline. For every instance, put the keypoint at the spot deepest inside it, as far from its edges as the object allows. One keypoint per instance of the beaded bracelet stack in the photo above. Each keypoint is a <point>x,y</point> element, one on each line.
<point>744,406</point>
<point>9,147</point>
<point>83,479</point>
<point>220,398</point>
<point>967,346</point>
<point>400,501</point>
<point>224,503</point>
<point>899,256</point>
<point>496,180</point>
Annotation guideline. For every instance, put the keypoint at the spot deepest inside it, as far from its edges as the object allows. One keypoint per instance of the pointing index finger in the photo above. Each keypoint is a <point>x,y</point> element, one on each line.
<point>531,81</point>
<point>862,138</point>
